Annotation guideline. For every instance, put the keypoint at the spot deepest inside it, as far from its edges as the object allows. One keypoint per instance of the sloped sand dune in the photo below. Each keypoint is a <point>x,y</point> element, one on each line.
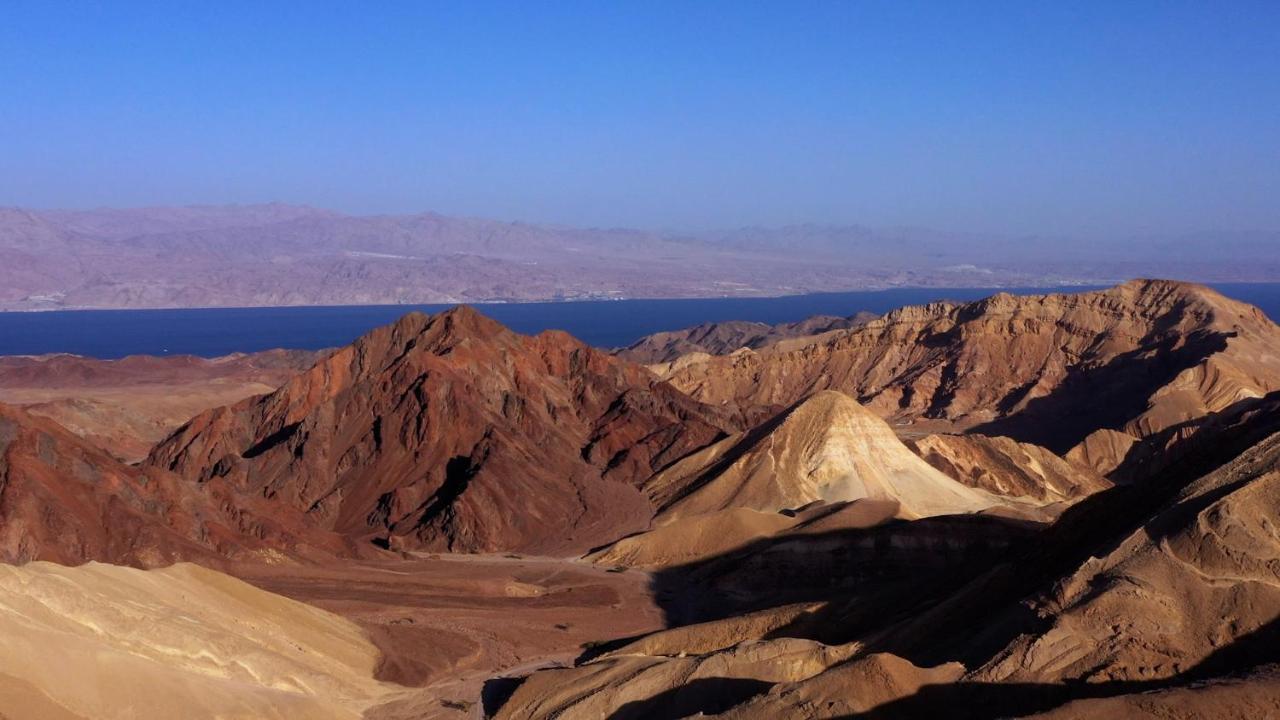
<point>103,642</point>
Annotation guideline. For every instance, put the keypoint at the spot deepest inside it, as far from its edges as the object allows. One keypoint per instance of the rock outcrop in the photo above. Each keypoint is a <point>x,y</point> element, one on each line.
<point>1160,598</point>
<point>1007,467</point>
<point>722,338</point>
<point>827,464</point>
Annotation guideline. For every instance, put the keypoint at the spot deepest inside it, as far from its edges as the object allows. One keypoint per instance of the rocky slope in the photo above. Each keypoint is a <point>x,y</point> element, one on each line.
<point>1175,618</point>
<point>1006,467</point>
<point>1196,578</point>
<point>64,500</point>
<point>722,338</point>
<point>126,406</point>
<point>1032,368</point>
<point>452,432</point>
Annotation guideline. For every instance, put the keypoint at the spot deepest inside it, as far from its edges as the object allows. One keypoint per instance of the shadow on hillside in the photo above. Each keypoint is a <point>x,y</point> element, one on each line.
<point>967,699</point>
<point>894,567</point>
<point>1253,418</point>
<point>709,696</point>
<point>1105,397</point>
<point>953,588</point>
<point>988,700</point>
<point>988,612</point>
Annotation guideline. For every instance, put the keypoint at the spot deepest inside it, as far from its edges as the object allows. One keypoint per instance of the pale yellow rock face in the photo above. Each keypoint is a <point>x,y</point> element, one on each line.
<point>828,451</point>
<point>105,642</point>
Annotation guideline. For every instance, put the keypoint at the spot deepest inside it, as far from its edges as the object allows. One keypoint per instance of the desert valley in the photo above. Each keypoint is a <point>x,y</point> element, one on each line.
<point>1058,505</point>
<point>497,360</point>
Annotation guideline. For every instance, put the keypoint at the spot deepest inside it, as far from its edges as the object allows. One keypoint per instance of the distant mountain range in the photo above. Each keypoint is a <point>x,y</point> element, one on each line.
<point>272,254</point>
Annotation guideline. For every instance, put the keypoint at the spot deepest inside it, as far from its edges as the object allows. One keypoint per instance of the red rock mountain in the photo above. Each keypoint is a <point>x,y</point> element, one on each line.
<point>452,432</point>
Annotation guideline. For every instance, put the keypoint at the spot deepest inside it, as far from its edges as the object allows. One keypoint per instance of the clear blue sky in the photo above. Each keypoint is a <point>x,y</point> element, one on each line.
<point>1056,117</point>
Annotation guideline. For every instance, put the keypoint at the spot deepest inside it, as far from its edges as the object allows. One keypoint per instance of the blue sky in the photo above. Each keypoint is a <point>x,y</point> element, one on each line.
<point>1023,117</point>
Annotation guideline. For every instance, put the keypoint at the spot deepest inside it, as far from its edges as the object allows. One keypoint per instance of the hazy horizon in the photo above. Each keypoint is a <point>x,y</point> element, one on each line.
<point>689,231</point>
<point>1094,120</point>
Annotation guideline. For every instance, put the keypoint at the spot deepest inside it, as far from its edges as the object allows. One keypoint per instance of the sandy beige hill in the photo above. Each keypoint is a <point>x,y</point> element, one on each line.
<point>634,687</point>
<point>826,449</point>
<point>779,612</point>
<point>453,432</point>
<point>827,464</point>
<point>106,642</point>
<point>126,406</point>
<point>1050,369</point>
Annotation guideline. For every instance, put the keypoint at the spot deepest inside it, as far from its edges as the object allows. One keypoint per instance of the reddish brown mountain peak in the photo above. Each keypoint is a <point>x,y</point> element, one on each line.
<point>458,320</point>
<point>465,315</point>
<point>450,431</point>
<point>463,321</point>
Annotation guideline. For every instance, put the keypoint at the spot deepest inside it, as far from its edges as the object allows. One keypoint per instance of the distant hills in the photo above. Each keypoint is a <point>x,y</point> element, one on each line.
<point>273,254</point>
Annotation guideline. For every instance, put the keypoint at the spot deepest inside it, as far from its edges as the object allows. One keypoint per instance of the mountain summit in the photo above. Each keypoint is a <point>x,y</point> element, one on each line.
<point>452,432</point>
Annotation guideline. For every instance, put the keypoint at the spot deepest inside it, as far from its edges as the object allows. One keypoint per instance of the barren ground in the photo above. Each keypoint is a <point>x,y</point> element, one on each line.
<point>446,624</point>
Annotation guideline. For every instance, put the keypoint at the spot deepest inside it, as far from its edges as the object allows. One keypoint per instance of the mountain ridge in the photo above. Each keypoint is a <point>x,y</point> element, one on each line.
<point>278,255</point>
<point>1164,351</point>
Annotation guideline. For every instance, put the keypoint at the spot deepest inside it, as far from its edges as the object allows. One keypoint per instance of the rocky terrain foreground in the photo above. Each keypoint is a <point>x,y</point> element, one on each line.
<point>1059,506</point>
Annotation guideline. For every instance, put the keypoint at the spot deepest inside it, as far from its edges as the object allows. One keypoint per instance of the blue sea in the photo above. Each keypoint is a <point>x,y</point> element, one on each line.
<point>212,332</point>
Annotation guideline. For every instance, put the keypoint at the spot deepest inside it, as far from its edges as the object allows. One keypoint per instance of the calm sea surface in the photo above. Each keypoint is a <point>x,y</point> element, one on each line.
<point>213,332</point>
